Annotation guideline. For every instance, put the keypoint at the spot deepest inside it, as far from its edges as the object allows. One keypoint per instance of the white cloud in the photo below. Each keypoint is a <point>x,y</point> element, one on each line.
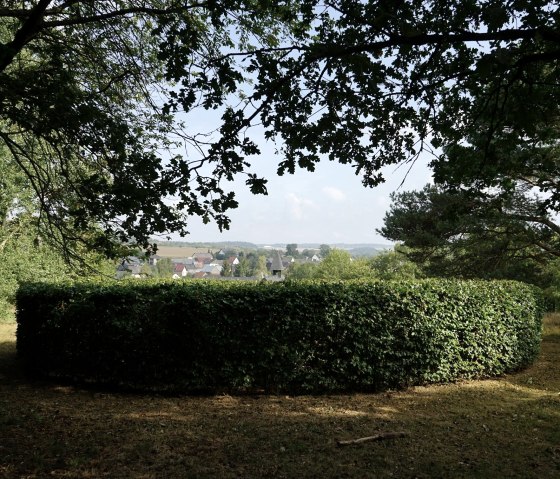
<point>299,206</point>
<point>334,193</point>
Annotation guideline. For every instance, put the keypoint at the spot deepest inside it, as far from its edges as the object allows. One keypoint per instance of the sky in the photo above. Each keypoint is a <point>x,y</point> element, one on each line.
<point>329,205</point>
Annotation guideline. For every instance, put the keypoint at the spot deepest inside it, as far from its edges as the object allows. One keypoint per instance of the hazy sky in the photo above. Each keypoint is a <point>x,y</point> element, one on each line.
<point>329,205</point>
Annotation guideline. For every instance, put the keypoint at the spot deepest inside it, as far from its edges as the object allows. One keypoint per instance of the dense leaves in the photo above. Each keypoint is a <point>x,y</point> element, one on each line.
<point>88,94</point>
<point>99,100</point>
<point>339,265</point>
<point>25,255</point>
<point>292,336</point>
<point>492,211</point>
<point>475,234</point>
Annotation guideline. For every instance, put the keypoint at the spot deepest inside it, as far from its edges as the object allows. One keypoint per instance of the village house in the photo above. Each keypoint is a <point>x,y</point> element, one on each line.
<point>277,265</point>
<point>129,266</point>
<point>233,260</point>
<point>204,258</point>
<point>212,269</point>
<point>153,260</point>
<point>179,271</point>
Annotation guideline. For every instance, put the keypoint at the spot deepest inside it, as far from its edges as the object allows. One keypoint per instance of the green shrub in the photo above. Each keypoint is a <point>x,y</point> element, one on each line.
<point>290,336</point>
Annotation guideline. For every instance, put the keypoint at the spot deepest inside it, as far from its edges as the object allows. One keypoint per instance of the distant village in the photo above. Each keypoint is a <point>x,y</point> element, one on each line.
<point>221,264</point>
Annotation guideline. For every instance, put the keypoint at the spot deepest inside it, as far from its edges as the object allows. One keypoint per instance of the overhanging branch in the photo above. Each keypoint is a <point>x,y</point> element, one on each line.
<point>123,12</point>
<point>537,219</point>
<point>329,51</point>
<point>31,26</point>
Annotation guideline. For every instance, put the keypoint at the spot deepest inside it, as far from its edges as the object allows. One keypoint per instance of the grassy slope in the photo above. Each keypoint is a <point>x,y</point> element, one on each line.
<point>499,428</point>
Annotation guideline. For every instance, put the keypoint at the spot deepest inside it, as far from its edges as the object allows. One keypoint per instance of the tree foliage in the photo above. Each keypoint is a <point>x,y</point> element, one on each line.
<point>259,266</point>
<point>292,250</point>
<point>226,269</point>
<point>92,96</point>
<point>22,260</point>
<point>243,268</point>
<point>339,265</point>
<point>164,267</point>
<point>492,210</point>
<point>24,254</point>
<point>394,265</point>
<point>473,234</point>
<point>89,98</point>
<point>324,250</point>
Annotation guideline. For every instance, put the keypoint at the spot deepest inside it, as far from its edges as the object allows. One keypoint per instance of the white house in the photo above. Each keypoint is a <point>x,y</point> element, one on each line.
<point>179,270</point>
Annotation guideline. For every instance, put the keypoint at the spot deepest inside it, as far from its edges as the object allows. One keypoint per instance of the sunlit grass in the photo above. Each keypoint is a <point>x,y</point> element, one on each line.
<point>7,334</point>
<point>7,313</point>
<point>552,325</point>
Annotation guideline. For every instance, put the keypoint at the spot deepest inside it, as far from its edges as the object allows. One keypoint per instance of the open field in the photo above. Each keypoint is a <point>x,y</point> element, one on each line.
<point>504,428</point>
<point>179,251</point>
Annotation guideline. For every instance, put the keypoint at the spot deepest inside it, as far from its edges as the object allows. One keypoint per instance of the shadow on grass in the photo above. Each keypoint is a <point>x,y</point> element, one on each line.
<point>480,429</point>
<point>453,431</point>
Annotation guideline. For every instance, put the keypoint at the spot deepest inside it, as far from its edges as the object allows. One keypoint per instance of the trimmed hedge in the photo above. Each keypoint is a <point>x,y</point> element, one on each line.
<point>289,336</point>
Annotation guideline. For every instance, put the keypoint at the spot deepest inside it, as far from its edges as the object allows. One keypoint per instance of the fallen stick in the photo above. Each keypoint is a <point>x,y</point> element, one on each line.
<point>377,437</point>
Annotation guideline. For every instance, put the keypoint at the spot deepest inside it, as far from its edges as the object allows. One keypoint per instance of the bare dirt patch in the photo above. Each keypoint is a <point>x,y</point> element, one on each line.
<point>508,427</point>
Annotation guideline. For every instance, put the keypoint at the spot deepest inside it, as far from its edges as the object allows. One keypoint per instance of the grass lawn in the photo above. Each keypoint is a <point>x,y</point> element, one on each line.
<point>504,428</point>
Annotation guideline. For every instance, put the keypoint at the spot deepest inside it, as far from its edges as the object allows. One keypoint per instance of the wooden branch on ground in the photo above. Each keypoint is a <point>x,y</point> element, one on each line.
<point>377,437</point>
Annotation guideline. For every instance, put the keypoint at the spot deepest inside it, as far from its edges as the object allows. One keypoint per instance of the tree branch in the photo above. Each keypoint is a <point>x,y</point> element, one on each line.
<point>327,51</point>
<point>121,13</point>
<point>548,248</point>
<point>537,219</point>
<point>377,437</point>
<point>31,26</point>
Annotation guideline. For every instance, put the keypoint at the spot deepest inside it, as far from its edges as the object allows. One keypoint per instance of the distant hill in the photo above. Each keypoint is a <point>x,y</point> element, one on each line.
<point>208,245</point>
<point>185,248</point>
<point>358,249</point>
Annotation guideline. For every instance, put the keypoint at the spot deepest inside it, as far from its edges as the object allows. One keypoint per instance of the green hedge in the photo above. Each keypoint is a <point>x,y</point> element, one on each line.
<point>290,336</point>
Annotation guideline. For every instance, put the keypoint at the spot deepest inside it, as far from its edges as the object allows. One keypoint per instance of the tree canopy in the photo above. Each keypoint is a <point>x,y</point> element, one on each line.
<point>339,265</point>
<point>90,96</point>
<point>292,250</point>
<point>475,234</point>
<point>97,100</point>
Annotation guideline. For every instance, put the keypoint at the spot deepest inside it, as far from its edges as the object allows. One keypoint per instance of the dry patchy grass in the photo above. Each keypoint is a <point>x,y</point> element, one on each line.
<point>508,427</point>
